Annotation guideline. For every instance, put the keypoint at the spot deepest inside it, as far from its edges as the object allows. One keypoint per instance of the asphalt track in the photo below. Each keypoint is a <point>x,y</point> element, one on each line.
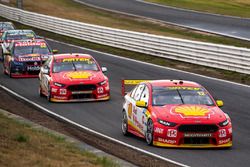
<point>105,117</point>
<point>218,24</point>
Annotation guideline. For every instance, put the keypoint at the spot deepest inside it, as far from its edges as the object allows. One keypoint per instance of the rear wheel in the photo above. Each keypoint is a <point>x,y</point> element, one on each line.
<point>150,132</point>
<point>10,70</point>
<point>124,124</point>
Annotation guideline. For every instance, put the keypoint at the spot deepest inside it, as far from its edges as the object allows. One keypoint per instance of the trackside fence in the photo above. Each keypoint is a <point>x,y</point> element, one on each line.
<point>211,55</point>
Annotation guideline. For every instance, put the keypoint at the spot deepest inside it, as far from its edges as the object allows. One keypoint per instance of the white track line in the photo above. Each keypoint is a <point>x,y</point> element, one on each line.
<point>90,130</point>
<point>168,68</point>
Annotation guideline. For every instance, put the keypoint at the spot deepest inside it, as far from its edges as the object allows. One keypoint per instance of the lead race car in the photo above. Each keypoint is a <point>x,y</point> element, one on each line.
<point>72,78</point>
<point>175,113</point>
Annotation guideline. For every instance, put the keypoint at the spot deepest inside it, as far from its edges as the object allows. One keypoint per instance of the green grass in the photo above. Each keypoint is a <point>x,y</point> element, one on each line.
<point>23,145</point>
<point>240,8</point>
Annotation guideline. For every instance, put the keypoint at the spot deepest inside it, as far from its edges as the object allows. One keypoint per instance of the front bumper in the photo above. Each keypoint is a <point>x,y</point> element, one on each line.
<point>172,137</point>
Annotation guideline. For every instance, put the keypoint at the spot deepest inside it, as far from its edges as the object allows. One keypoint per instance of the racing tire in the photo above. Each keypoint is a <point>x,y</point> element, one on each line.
<point>124,124</point>
<point>10,71</point>
<point>149,135</point>
<point>49,95</point>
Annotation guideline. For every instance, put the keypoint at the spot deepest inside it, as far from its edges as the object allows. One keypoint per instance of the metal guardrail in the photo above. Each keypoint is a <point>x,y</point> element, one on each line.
<point>211,55</point>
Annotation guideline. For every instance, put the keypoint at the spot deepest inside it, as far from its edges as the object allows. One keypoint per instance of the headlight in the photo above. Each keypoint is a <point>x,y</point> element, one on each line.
<point>224,123</point>
<point>166,123</point>
<point>58,84</point>
<point>102,83</point>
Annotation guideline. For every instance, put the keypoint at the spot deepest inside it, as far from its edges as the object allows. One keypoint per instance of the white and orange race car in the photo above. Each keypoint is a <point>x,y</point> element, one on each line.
<point>72,78</point>
<point>175,113</point>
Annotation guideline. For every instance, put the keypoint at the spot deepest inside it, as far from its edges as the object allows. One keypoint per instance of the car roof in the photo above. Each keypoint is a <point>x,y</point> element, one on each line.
<point>173,83</point>
<point>19,31</point>
<point>72,55</point>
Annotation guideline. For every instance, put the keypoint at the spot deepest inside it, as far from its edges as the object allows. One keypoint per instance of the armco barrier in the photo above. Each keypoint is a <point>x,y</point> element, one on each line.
<point>211,55</point>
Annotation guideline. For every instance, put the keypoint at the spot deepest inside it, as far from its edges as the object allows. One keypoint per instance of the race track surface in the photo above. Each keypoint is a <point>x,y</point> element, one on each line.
<point>228,26</point>
<point>105,117</point>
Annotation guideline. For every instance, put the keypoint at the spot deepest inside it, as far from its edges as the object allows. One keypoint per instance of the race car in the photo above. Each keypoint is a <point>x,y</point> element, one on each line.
<point>4,26</point>
<point>25,57</point>
<point>13,35</point>
<point>175,113</point>
<point>72,78</point>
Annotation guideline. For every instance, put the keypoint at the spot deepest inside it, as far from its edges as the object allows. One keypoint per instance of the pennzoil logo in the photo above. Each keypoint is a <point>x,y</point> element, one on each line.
<point>191,111</point>
<point>78,75</point>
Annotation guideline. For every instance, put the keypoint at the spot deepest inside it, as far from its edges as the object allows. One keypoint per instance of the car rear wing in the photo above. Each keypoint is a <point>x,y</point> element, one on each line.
<point>129,83</point>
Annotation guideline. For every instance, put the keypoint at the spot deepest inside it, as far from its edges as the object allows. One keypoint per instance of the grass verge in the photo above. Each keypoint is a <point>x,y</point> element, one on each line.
<point>22,145</point>
<point>207,71</point>
<point>240,8</point>
<point>71,10</point>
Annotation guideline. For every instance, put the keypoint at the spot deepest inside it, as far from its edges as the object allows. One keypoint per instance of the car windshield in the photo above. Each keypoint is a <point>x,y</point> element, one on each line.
<point>35,49</point>
<point>74,64</point>
<point>181,95</point>
<point>20,36</point>
<point>5,26</point>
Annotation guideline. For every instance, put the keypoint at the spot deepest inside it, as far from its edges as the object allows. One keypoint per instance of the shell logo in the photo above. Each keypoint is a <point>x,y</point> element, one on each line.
<point>196,111</point>
<point>78,75</point>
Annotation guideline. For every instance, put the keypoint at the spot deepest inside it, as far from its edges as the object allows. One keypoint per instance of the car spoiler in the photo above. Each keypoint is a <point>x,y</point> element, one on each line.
<point>130,82</point>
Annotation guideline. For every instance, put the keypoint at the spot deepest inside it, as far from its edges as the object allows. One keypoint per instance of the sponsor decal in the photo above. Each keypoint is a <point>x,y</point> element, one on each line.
<point>42,44</point>
<point>130,110</point>
<point>63,91</point>
<point>133,82</point>
<point>230,130</point>
<point>191,111</point>
<point>29,59</point>
<point>33,68</point>
<point>88,60</point>
<point>78,75</point>
<point>198,135</point>
<point>166,141</point>
<point>222,133</point>
<point>54,90</point>
<point>60,97</point>
<point>224,141</point>
<point>101,96</point>
<point>137,123</point>
<point>159,130</point>
<point>100,90</point>
<point>172,133</point>
<point>82,92</point>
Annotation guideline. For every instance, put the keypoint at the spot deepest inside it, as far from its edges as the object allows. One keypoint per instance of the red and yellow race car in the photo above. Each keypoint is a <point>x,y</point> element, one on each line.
<point>72,78</point>
<point>175,113</point>
<point>24,58</point>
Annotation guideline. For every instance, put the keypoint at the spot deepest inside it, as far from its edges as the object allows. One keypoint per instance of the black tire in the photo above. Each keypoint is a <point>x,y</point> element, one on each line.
<point>150,132</point>
<point>10,71</point>
<point>124,124</point>
<point>49,95</point>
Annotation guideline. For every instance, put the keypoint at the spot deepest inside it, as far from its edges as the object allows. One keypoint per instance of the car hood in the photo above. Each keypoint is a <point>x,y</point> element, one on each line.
<point>78,77</point>
<point>190,114</point>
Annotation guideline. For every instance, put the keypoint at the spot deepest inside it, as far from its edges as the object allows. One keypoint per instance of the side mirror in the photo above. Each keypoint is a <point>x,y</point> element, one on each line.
<point>219,103</point>
<point>141,104</point>
<point>54,51</point>
<point>104,69</point>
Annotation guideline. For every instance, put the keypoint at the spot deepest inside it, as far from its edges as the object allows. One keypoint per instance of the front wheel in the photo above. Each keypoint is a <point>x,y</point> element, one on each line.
<point>49,95</point>
<point>150,132</point>
<point>124,124</point>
